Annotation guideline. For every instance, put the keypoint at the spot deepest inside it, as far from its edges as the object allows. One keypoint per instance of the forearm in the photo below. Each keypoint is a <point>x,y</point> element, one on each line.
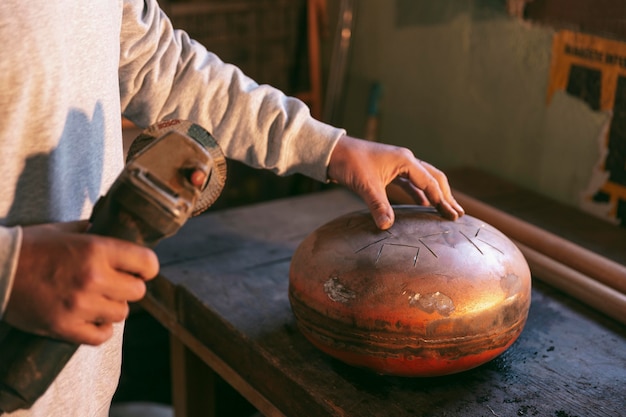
<point>255,124</point>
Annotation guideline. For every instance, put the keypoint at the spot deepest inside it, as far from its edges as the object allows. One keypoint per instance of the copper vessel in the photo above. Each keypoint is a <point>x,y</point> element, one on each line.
<point>427,297</point>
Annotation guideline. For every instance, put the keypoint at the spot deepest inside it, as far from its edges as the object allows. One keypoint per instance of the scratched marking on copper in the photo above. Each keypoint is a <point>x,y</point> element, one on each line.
<point>371,244</point>
<point>380,251</point>
<point>427,247</point>
<point>484,241</point>
<point>420,239</point>
<point>417,242</point>
<point>472,242</point>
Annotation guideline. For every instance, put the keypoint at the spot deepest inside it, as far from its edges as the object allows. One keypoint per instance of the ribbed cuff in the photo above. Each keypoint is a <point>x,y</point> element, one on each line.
<point>313,147</point>
<point>10,244</point>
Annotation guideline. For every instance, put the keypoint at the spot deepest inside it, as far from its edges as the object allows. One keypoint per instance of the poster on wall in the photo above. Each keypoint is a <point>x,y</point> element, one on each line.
<point>594,69</point>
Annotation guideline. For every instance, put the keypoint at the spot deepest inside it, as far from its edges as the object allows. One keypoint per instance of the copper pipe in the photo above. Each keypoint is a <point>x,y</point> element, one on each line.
<point>588,263</point>
<point>588,290</point>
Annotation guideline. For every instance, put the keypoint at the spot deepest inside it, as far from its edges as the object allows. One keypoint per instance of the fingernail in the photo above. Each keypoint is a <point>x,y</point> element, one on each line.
<point>460,209</point>
<point>384,222</point>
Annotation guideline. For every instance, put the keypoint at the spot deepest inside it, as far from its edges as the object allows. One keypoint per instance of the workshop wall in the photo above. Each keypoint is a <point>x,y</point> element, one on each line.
<point>465,84</point>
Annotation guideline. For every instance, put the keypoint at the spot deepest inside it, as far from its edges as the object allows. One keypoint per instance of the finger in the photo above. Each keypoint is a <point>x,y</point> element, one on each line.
<point>445,187</point>
<point>85,332</point>
<point>456,206</point>
<point>378,204</point>
<point>133,259</point>
<point>113,312</point>
<point>123,287</point>
<point>421,178</point>
<point>416,195</point>
<point>92,334</point>
<point>94,324</point>
<point>98,308</point>
<point>420,175</point>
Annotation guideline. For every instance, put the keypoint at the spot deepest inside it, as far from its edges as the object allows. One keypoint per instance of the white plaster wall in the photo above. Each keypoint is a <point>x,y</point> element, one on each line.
<point>468,88</point>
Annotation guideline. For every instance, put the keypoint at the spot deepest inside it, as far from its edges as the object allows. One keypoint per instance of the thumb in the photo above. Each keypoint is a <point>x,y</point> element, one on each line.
<point>380,208</point>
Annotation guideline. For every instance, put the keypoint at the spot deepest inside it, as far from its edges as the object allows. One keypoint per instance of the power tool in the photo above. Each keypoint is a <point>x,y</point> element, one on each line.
<point>174,170</point>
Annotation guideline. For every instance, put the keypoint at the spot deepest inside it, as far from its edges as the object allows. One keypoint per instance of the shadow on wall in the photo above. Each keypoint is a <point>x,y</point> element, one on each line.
<point>428,12</point>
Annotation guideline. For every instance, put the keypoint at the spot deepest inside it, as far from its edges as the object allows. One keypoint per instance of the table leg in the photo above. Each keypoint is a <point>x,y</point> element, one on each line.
<point>193,383</point>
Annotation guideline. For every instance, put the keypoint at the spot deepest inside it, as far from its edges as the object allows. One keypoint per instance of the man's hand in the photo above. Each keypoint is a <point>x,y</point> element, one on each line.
<point>368,167</point>
<point>73,286</point>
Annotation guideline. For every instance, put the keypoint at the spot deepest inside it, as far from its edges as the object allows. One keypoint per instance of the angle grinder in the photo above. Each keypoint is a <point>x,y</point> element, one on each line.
<point>175,169</point>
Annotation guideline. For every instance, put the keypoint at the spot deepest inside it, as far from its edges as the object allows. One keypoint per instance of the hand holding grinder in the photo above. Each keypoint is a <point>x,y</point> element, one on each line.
<point>175,170</point>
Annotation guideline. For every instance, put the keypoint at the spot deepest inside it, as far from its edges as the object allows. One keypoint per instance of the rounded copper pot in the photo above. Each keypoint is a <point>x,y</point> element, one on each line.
<point>427,297</point>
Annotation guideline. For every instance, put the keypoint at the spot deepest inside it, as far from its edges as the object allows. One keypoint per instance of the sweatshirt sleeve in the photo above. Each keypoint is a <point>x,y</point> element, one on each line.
<point>165,74</point>
<point>10,243</point>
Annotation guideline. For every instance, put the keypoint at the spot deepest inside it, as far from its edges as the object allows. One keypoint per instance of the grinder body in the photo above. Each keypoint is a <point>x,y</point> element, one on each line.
<point>150,200</point>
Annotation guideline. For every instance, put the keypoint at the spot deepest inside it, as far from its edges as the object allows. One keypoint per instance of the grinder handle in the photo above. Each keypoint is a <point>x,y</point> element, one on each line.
<point>30,363</point>
<point>129,211</point>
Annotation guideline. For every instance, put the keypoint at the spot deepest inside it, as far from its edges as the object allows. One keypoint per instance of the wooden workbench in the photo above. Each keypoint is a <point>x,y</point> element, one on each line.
<point>223,296</point>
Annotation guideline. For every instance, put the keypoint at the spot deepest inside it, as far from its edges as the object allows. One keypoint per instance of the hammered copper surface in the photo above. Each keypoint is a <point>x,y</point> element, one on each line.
<point>428,297</point>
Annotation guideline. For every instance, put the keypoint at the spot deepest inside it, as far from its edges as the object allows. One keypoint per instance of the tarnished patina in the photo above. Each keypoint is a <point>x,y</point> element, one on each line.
<point>427,297</point>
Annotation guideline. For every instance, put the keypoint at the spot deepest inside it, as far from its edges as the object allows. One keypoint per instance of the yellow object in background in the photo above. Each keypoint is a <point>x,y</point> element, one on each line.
<point>593,69</point>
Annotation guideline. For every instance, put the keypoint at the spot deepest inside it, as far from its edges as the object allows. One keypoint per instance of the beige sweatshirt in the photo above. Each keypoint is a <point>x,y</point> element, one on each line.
<point>68,70</point>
